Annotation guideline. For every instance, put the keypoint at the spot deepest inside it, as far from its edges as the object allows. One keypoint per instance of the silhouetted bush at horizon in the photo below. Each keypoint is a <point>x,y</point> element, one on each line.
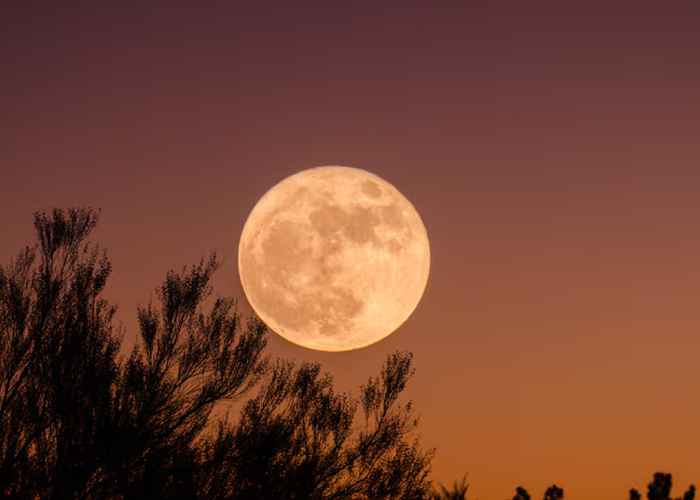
<point>658,489</point>
<point>79,421</point>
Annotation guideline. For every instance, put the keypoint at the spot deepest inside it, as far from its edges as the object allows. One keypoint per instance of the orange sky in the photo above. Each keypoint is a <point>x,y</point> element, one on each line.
<point>552,151</point>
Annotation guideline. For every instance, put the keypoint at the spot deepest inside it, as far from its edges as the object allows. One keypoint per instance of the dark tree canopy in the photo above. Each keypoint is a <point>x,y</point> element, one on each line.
<point>554,493</point>
<point>660,489</point>
<point>78,421</point>
<point>296,440</point>
<point>521,494</point>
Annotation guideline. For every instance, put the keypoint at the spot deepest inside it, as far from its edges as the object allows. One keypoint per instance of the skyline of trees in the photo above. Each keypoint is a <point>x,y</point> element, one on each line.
<point>77,420</point>
<point>660,489</point>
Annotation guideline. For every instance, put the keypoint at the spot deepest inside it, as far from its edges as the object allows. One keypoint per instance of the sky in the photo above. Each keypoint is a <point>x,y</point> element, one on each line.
<point>551,148</point>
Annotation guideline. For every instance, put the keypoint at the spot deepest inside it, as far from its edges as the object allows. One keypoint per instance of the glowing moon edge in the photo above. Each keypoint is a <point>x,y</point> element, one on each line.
<point>334,258</point>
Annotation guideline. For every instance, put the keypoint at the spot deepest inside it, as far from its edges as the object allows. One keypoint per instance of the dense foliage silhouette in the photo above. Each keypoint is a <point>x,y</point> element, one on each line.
<point>554,492</point>
<point>660,489</point>
<point>79,421</point>
<point>521,494</point>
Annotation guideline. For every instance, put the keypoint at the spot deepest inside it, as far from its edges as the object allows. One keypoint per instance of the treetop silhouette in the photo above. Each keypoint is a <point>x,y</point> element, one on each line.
<point>78,421</point>
<point>660,489</point>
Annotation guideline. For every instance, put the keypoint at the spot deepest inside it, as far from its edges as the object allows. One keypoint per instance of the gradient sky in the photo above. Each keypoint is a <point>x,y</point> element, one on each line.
<point>552,150</point>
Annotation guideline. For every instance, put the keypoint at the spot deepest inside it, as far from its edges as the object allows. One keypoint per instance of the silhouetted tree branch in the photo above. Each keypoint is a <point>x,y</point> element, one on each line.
<point>74,422</point>
<point>77,421</point>
<point>296,440</point>
<point>188,361</point>
<point>58,356</point>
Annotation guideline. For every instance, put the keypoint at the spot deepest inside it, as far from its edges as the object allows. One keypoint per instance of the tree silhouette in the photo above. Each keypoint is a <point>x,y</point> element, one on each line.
<point>295,440</point>
<point>553,493</point>
<point>521,494</point>
<point>57,358</point>
<point>660,489</point>
<point>77,421</point>
<point>74,422</point>
<point>187,362</point>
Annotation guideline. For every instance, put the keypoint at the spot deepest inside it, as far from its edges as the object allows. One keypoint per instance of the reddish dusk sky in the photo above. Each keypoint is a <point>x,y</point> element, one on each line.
<point>552,150</point>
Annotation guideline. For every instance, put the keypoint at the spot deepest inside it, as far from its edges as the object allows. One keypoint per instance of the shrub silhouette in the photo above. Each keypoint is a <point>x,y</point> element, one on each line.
<point>521,494</point>
<point>552,493</point>
<point>660,489</point>
<point>458,492</point>
<point>77,421</point>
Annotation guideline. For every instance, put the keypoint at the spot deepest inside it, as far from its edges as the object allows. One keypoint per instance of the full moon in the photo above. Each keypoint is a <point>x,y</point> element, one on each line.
<point>334,258</point>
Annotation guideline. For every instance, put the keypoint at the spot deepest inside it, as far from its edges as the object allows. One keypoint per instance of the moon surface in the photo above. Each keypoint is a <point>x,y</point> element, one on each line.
<point>334,258</point>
